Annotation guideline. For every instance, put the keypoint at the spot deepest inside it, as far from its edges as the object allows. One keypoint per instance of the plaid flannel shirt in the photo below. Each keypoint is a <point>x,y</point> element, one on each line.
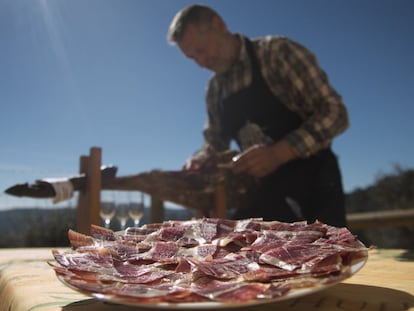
<point>295,78</point>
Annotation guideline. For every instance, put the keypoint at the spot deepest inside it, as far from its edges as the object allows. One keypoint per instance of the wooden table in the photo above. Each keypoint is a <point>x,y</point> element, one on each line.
<point>385,283</point>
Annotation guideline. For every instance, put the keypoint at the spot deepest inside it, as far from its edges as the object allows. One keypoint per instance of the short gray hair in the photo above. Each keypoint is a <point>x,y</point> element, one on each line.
<point>194,14</point>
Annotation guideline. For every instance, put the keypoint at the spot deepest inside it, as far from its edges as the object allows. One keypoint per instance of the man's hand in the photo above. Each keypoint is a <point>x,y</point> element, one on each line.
<point>261,160</point>
<point>201,163</point>
<point>192,165</point>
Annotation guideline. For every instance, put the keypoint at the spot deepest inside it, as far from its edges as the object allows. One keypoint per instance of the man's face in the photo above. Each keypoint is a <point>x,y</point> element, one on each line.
<point>207,48</point>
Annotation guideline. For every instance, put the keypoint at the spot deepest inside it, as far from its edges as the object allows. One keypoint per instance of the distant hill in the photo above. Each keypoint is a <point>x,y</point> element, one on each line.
<point>390,192</point>
<point>38,227</point>
<point>23,227</point>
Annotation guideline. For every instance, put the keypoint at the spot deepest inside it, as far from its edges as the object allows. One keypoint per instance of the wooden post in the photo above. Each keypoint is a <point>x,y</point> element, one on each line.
<point>89,200</point>
<point>157,210</point>
<point>94,183</point>
<point>82,215</point>
<point>220,208</point>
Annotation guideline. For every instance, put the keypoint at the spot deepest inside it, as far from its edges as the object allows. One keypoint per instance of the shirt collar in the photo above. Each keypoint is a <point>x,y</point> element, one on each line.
<point>240,61</point>
<point>243,50</point>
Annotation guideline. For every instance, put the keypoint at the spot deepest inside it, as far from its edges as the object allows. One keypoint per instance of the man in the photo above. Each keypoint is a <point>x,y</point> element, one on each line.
<point>273,99</point>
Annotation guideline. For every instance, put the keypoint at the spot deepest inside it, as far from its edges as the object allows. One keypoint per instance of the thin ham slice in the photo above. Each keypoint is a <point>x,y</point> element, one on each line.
<point>228,267</point>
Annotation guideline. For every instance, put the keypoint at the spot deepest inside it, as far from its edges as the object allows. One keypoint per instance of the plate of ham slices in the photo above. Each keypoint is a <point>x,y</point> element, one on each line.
<point>208,262</point>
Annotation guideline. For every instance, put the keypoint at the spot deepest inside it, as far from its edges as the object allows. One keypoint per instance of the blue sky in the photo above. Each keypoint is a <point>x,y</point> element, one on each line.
<point>83,73</point>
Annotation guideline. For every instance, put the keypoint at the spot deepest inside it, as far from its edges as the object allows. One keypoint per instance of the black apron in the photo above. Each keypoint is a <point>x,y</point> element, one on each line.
<point>303,189</point>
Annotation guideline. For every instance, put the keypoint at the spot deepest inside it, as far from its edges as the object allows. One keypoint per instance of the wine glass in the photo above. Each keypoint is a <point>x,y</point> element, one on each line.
<point>122,214</point>
<point>136,210</point>
<point>107,212</point>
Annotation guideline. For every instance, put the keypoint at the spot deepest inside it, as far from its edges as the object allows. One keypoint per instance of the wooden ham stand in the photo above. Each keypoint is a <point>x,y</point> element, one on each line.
<point>89,196</point>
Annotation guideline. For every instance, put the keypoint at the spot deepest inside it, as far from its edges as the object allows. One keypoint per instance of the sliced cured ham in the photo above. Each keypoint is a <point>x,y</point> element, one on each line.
<point>207,259</point>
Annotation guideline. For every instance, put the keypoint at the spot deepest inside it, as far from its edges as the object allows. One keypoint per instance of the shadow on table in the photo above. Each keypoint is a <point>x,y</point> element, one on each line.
<point>352,297</point>
<point>96,305</point>
<point>348,297</point>
<point>407,255</point>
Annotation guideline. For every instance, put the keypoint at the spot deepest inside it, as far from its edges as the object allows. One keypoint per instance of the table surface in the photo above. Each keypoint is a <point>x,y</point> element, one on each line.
<point>385,283</point>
